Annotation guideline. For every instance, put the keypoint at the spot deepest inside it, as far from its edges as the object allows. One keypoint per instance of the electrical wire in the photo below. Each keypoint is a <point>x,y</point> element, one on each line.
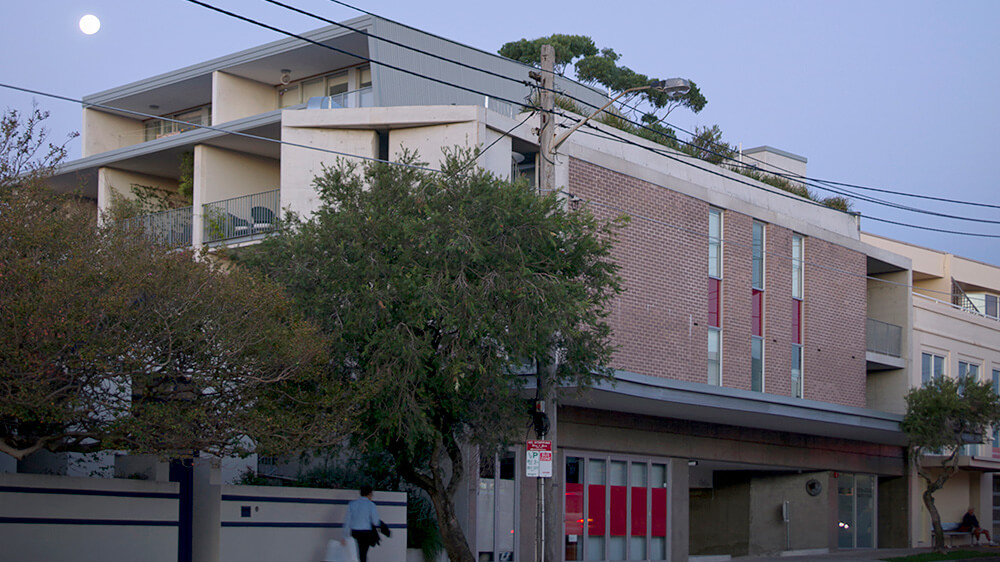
<point>776,191</point>
<point>211,128</point>
<point>496,140</point>
<point>797,177</point>
<point>355,55</point>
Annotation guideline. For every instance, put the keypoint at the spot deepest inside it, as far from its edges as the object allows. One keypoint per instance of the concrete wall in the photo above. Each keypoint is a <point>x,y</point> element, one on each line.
<point>103,132</point>
<point>62,519</point>
<point>222,174</point>
<point>294,524</point>
<point>809,521</point>
<point>890,300</point>
<point>234,97</point>
<point>718,516</point>
<point>112,180</point>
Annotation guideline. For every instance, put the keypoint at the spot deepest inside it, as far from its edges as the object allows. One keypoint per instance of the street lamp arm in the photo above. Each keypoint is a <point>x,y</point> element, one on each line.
<point>562,138</point>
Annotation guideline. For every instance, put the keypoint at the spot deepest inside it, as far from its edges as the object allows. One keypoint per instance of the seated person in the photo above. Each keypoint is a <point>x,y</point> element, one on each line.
<point>970,524</point>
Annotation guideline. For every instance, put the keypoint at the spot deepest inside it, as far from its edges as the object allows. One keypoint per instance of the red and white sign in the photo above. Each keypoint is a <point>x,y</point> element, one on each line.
<point>538,459</point>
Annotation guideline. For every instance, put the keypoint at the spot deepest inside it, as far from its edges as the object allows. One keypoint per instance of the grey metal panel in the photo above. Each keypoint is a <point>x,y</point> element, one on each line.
<point>394,87</point>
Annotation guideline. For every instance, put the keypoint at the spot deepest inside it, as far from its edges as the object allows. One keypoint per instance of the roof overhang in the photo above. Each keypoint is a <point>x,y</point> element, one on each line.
<point>661,397</point>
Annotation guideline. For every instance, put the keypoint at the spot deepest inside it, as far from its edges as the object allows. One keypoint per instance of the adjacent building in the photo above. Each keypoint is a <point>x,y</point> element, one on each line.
<point>956,333</point>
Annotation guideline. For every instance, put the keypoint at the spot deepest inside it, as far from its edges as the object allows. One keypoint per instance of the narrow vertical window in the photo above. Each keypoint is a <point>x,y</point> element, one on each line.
<point>715,297</point>
<point>757,321</point>
<point>715,243</point>
<point>798,276</point>
<point>758,255</point>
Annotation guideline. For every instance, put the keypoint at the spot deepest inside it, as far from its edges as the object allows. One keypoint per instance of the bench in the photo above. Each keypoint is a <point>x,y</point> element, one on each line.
<point>951,531</point>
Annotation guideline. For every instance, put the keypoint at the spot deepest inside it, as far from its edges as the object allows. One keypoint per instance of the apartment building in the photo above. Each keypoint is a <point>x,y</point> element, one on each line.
<point>747,377</point>
<point>956,333</point>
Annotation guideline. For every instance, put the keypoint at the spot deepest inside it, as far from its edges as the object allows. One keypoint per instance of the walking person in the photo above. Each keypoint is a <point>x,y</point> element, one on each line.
<point>361,523</point>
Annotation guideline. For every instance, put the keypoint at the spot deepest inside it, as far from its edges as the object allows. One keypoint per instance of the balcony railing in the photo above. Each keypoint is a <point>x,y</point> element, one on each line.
<point>364,97</point>
<point>246,217</point>
<point>171,228</point>
<point>884,338</point>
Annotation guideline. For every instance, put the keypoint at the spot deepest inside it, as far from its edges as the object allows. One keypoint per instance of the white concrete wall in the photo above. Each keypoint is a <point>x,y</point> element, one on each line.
<point>234,97</point>
<point>300,166</point>
<point>62,519</point>
<point>120,181</point>
<point>317,515</point>
<point>103,132</point>
<point>430,142</point>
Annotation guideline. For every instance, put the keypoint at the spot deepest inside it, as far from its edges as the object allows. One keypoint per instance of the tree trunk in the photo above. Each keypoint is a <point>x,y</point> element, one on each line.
<point>938,542</point>
<point>452,535</point>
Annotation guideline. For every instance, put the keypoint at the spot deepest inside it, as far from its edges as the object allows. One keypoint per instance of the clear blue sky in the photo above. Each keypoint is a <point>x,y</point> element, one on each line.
<point>900,95</point>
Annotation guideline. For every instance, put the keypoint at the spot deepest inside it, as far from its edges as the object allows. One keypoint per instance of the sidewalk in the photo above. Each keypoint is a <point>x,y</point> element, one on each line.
<point>989,553</point>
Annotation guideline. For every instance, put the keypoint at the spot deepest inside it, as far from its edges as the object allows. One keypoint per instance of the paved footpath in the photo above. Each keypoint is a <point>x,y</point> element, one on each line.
<point>989,554</point>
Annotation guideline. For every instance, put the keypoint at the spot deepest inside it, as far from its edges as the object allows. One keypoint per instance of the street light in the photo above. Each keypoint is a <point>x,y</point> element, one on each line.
<point>673,87</point>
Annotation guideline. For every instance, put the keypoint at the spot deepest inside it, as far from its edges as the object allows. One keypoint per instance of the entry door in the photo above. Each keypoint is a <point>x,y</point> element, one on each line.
<point>856,511</point>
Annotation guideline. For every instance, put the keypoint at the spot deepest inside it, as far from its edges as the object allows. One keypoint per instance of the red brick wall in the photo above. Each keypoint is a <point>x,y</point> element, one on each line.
<point>660,322</point>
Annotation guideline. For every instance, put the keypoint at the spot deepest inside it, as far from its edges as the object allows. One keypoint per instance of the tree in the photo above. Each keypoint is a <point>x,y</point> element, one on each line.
<point>437,289</point>
<point>601,67</point>
<point>941,417</point>
<point>112,342</point>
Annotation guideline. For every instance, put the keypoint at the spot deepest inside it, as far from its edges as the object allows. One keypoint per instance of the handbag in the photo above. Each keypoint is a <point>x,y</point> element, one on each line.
<point>337,552</point>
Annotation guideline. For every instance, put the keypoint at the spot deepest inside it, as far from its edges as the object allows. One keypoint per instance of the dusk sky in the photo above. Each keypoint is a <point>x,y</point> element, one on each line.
<point>898,95</point>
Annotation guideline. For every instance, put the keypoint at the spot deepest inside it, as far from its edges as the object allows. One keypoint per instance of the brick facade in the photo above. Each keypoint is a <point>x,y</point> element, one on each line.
<point>660,322</point>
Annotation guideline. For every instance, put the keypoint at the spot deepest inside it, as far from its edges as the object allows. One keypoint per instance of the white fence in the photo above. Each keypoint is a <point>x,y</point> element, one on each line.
<point>60,518</point>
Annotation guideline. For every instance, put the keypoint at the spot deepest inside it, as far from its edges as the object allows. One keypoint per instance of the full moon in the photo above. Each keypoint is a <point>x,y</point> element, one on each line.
<point>89,24</point>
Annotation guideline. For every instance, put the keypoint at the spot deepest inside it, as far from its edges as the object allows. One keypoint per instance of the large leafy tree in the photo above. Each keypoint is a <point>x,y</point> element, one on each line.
<point>941,416</point>
<point>111,342</point>
<point>437,289</point>
<point>602,67</point>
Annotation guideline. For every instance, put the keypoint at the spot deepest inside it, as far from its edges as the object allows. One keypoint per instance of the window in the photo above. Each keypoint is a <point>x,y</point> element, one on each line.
<point>715,243</point>
<point>495,507</point>
<point>967,369</point>
<point>931,367</point>
<point>797,371</point>
<point>797,296</point>
<point>715,356</point>
<point>758,255</point>
<point>158,128</point>
<point>757,364</point>
<point>336,85</point>
<point>616,509</point>
<point>715,297</point>
<point>797,267</point>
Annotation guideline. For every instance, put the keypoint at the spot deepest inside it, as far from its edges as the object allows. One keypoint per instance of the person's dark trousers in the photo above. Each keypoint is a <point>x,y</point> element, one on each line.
<point>364,540</point>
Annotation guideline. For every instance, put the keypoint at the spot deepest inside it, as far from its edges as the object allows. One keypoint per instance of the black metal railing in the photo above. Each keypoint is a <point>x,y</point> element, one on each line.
<point>241,217</point>
<point>171,227</point>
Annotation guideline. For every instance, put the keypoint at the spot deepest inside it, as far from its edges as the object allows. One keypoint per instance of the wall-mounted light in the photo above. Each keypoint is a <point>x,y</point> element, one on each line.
<point>286,76</point>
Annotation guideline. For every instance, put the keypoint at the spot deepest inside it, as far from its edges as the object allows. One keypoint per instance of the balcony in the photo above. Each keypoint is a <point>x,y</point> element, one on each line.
<point>249,217</point>
<point>364,97</point>
<point>172,228</point>
<point>884,345</point>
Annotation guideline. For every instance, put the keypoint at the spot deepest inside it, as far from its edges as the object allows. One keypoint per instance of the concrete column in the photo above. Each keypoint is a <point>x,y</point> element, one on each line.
<point>207,505</point>
<point>677,523</point>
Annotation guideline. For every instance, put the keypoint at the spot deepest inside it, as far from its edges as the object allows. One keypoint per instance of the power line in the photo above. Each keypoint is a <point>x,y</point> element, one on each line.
<point>727,243</point>
<point>805,179</point>
<point>777,191</point>
<point>355,55</point>
<point>211,128</point>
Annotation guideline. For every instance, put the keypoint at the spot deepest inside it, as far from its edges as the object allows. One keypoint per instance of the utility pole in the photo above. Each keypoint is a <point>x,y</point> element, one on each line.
<point>550,532</point>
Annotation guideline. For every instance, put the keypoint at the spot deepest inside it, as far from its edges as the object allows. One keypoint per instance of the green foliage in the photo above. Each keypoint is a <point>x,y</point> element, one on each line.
<point>111,342</point>
<point>185,181</point>
<point>941,416</point>
<point>567,48</point>
<point>433,288</point>
<point>26,155</point>
<point>707,145</point>
<point>944,413</point>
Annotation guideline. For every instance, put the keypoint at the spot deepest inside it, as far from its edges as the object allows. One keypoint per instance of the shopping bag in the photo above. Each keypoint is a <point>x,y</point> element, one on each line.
<point>336,552</point>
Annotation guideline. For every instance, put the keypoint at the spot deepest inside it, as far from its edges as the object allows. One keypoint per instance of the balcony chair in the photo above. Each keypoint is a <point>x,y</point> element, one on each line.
<point>263,218</point>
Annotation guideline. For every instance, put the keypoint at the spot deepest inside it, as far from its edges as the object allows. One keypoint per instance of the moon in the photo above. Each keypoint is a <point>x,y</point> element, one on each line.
<point>89,24</point>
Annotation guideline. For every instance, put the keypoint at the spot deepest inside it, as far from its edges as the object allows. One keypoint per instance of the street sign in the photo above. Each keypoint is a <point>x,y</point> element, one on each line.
<point>538,459</point>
